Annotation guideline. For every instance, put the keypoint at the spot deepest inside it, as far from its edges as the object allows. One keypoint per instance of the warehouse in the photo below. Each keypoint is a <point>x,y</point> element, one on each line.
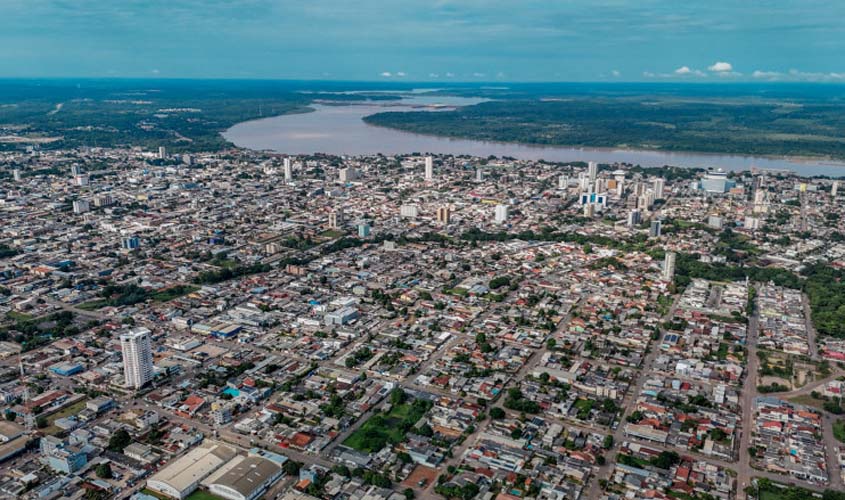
<point>244,478</point>
<point>182,476</point>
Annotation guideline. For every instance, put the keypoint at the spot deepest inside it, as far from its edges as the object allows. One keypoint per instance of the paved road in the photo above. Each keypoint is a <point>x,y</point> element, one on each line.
<point>749,393</point>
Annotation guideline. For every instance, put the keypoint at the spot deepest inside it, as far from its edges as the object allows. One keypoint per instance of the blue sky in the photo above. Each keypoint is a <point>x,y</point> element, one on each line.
<point>427,40</point>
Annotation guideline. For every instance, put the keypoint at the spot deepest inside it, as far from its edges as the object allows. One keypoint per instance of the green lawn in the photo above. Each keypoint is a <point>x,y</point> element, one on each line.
<point>92,305</point>
<point>203,495</point>
<point>839,430</point>
<point>64,412</point>
<point>383,429</point>
<point>332,234</point>
<point>18,316</point>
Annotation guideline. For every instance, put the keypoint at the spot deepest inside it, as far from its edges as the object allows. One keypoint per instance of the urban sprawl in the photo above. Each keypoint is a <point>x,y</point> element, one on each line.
<point>245,325</point>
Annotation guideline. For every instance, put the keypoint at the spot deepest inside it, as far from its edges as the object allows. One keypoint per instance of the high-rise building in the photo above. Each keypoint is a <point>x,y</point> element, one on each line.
<point>288,170</point>
<point>834,189</point>
<point>75,170</point>
<point>103,200</point>
<point>592,171</point>
<point>429,168</point>
<point>563,182</point>
<point>336,218</point>
<point>669,266</point>
<point>634,218</point>
<point>654,230</point>
<point>443,214</point>
<point>137,357</point>
<point>131,243</point>
<point>479,175</point>
<point>363,230</point>
<point>501,214</point>
<point>16,174</point>
<point>81,180</point>
<point>659,186</point>
<point>409,211</point>
<point>81,206</point>
<point>348,174</point>
<point>162,152</point>
<point>187,159</point>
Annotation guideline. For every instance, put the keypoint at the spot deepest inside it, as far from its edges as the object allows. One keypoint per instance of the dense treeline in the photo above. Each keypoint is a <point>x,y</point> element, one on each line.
<point>644,122</point>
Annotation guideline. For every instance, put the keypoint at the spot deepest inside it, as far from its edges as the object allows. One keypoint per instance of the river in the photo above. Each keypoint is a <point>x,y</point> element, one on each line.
<point>340,130</point>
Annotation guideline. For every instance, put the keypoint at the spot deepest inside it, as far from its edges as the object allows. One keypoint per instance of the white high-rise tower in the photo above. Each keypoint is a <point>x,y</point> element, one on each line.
<point>669,266</point>
<point>429,168</point>
<point>137,357</point>
<point>288,170</point>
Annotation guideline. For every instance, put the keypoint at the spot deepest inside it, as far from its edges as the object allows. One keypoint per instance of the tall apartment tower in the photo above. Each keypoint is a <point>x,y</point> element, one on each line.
<point>592,171</point>
<point>659,186</point>
<point>501,214</point>
<point>336,218</point>
<point>443,214</point>
<point>834,189</point>
<point>162,152</point>
<point>137,357</point>
<point>288,170</point>
<point>669,266</point>
<point>654,230</point>
<point>429,168</point>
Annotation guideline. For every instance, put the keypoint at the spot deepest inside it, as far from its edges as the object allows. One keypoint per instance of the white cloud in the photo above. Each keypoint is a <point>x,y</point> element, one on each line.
<point>683,70</point>
<point>766,75</point>
<point>400,73</point>
<point>615,73</point>
<point>721,67</point>
<point>387,74</point>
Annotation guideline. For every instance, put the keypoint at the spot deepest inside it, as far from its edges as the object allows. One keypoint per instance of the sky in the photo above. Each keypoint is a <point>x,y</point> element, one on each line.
<point>426,40</point>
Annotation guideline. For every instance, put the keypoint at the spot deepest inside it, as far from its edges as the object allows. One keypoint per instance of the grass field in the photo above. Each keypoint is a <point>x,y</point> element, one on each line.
<point>64,412</point>
<point>383,429</point>
<point>839,430</point>
<point>203,495</point>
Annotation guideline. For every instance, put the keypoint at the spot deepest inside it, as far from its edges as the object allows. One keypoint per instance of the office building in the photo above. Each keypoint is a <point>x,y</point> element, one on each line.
<point>131,243</point>
<point>429,168</point>
<point>443,214</point>
<point>81,206</point>
<point>669,266</point>
<point>137,357</point>
<point>597,200</point>
<point>654,230</point>
<point>501,214</point>
<point>288,170</point>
